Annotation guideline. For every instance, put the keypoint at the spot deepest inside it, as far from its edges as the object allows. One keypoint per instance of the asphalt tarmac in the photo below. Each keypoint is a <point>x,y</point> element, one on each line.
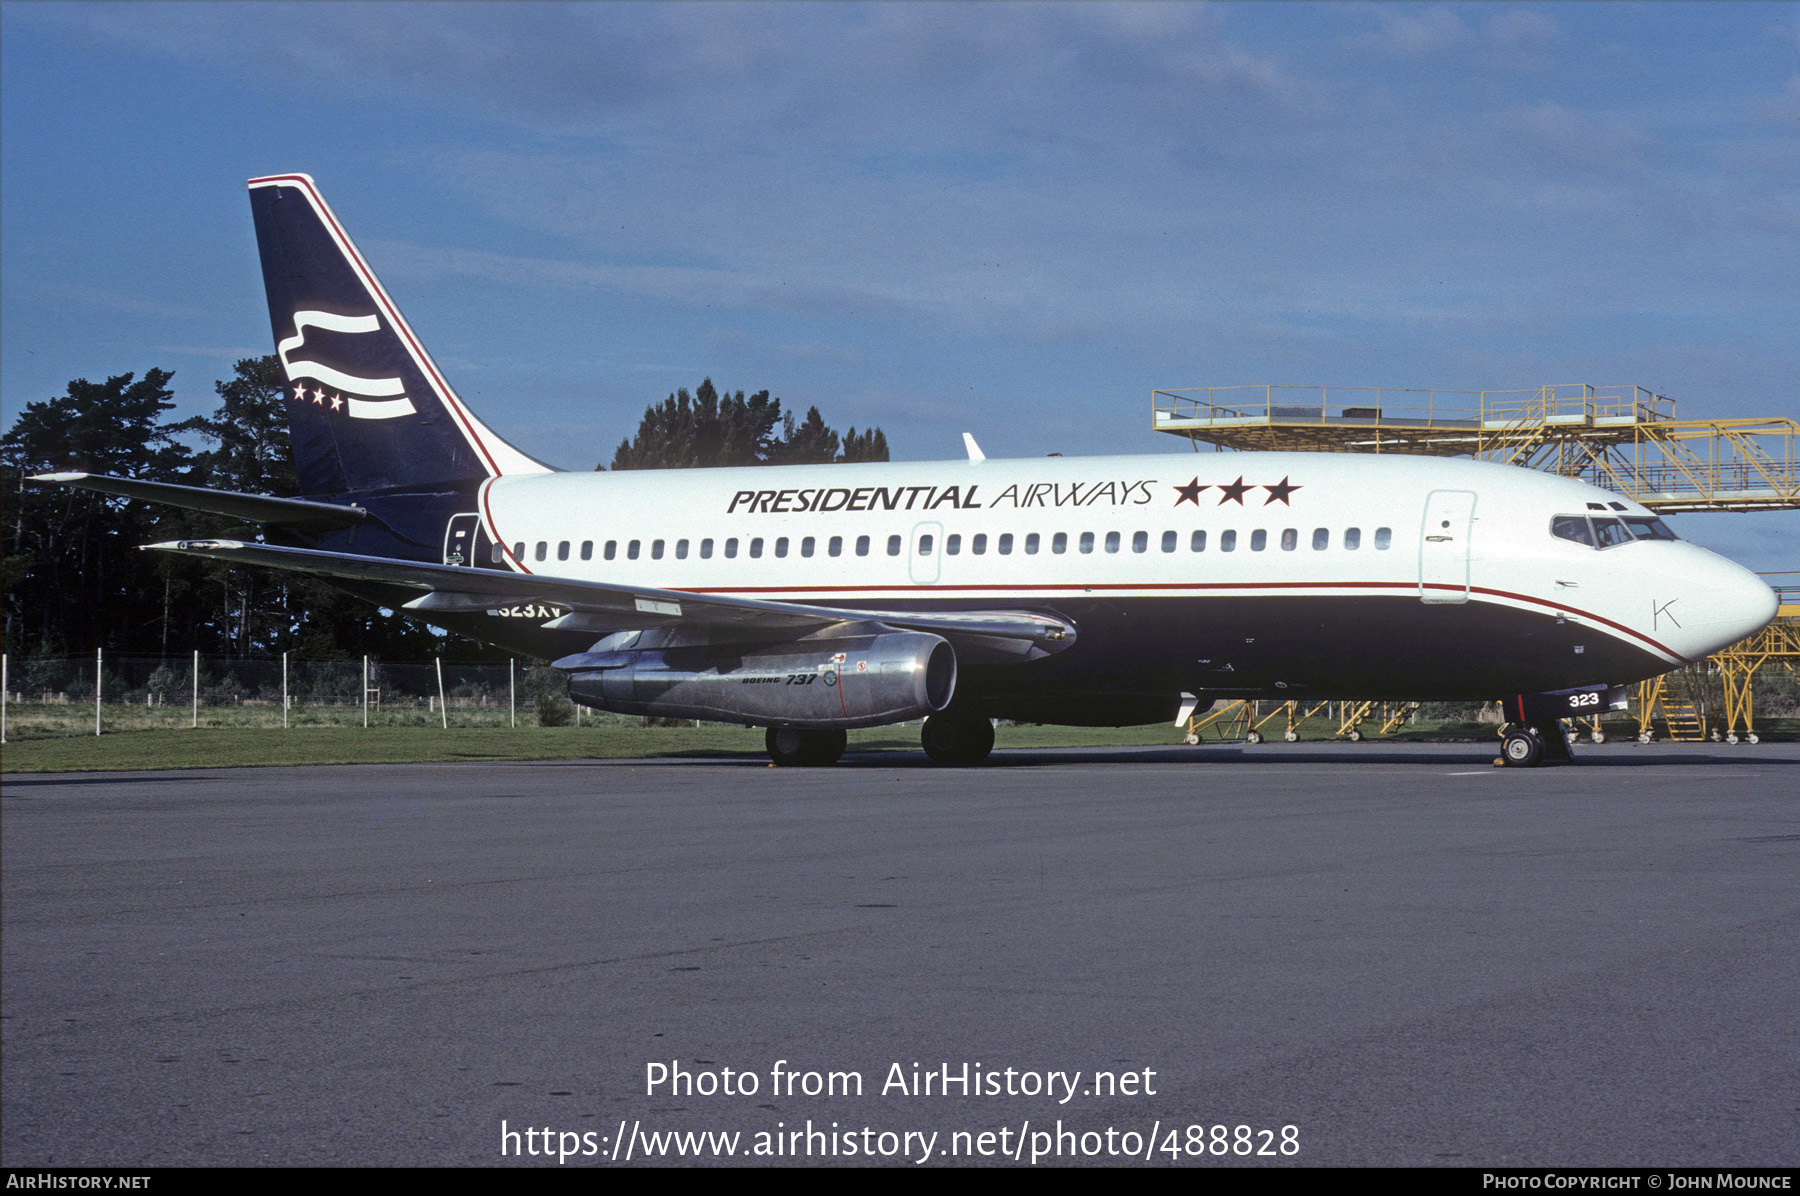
<point>1403,953</point>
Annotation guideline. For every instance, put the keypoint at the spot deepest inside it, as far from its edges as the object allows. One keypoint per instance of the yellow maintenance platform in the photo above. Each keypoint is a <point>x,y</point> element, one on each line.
<point>1624,438</point>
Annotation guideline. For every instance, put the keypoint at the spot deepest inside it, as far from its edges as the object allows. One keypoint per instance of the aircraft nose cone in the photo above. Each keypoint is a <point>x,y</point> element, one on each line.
<point>1726,603</point>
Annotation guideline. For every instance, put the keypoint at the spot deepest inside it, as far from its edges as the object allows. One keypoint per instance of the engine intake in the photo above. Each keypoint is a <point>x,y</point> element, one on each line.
<point>852,681</point>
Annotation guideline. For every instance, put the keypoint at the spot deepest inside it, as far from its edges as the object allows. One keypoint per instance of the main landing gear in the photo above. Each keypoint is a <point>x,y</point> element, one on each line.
<point>1527,745</point>
<point>791,747</point>
<point>957,740</point>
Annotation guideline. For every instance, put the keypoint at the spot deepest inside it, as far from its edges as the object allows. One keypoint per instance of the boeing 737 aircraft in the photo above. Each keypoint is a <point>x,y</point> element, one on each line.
<point>810,599</point>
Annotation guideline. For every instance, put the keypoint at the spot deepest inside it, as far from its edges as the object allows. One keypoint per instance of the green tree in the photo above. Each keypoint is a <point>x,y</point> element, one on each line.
<point>74,578</point>
<point>707,428</point>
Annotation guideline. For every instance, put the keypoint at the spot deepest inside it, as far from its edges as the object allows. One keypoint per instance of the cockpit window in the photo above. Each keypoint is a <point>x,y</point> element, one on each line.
<point>1649,527</point>
<point>1610,533</point>
<point>1572,527</point>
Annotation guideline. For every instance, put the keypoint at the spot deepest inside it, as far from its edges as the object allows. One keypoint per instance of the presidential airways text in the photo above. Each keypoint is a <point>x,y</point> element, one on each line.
<point>930,498</point>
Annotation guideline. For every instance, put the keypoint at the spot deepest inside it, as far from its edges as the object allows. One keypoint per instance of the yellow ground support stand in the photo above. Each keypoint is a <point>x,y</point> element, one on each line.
<point>1244,720</point>
<point>1778,643</point>
<point>1624,438</point>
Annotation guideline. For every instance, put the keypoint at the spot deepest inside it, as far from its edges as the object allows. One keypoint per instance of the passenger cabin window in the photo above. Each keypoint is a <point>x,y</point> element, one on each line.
<point>1321,539</point>
<point>731,548</point>
<point>1384,536</point>
<point>681,550</point>
<point>1005,545</point>
<point>632,549</point>
<point>862,546</point>
<point>519,551</point>
<point>1227,541</point>
<point>893,545</point>
<point>1259,540</point>
<point>807,544</point>
<point>1197,543</point>
<point>978,545</point>
<point>1353,538</point>
<point>1290,539</point>
<point>656,550</point>
<point>1112,541</point>
<point>562,550</point>
<point>706,547</point>
<point>1087,541</point>
<point>1169,541</point>
<point>835,546</point>
<point>755,547</point>
<point>1059,542</point>
<point>925,545</point>
<point>499,554</point>
<point>1140,541</point>
<point>587,550</point>
<point>1031,544</point>
<point>780,546</point>
<point>952,545</point>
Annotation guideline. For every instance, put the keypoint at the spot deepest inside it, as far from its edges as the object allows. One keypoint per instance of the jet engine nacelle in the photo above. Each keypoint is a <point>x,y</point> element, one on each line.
<point>852,681</point>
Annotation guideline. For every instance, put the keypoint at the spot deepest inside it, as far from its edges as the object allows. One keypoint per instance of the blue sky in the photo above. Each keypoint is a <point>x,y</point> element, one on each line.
<point>1010,219</point>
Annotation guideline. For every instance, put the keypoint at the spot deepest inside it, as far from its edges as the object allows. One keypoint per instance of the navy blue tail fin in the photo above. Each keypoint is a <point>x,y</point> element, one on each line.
<point>367,406</point>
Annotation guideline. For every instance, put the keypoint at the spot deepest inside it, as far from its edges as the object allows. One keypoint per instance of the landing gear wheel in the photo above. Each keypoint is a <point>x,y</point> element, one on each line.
<point>1253,737</point>
<point>1521,749</point>
<point>957,741</point>
<point>790,747</point>
<point>1354,736</point>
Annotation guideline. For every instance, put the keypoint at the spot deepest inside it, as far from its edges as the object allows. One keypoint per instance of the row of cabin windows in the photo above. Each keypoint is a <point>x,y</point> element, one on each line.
<point>1003,544</point>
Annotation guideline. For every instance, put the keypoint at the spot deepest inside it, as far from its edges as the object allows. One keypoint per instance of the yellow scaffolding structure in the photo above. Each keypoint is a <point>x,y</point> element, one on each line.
<point>1624,438</point>
<point>1243,720</point>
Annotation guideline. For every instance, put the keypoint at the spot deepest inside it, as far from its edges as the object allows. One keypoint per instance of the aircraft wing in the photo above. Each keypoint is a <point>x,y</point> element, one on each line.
<point>251,508</point>
<point>608,606</point>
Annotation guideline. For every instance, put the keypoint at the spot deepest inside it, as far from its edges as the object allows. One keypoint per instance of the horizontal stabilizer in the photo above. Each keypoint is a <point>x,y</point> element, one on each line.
<point>251,508</point>
<point>1016,635</point>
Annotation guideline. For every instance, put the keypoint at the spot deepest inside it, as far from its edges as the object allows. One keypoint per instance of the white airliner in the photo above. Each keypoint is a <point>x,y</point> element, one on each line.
<point>810,599</point>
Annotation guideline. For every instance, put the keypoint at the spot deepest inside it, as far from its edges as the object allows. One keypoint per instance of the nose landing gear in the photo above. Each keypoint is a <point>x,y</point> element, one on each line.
<point>1528,745</point>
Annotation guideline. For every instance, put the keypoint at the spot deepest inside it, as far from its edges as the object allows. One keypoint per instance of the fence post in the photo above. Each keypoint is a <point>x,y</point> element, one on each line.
<point>196,689</point>
<point>443,709</point>
<point>512,689</point>
<point>97,669</point>
<point>284,697</point>
<point>365,691</point>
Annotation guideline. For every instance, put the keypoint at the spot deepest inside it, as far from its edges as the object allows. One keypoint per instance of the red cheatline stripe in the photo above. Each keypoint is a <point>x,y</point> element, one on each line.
<point>494,527</point>
<point>1403,587</point>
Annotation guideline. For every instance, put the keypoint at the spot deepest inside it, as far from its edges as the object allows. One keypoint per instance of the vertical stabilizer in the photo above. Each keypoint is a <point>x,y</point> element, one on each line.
<point>367,406</point>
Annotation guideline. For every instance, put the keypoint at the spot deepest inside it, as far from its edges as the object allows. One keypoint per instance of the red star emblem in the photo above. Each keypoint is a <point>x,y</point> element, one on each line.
<point>318,398</point>
<point>337,402</point>
<point>1234,492</point>
<point>299,392</point>
<point>1190,492</point>
<point>1281,491</point>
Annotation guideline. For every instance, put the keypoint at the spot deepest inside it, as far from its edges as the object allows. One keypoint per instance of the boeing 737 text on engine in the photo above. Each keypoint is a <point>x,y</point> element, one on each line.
<point>811,599</point>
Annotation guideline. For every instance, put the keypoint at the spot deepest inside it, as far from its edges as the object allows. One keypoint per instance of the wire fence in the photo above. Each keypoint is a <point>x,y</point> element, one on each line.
<point>55,696</point>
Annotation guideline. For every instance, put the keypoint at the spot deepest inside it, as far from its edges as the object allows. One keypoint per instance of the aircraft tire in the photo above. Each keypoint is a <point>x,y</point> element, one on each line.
<point>952,741</point>
<point>791,747</point>
<point>1521,748</point>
